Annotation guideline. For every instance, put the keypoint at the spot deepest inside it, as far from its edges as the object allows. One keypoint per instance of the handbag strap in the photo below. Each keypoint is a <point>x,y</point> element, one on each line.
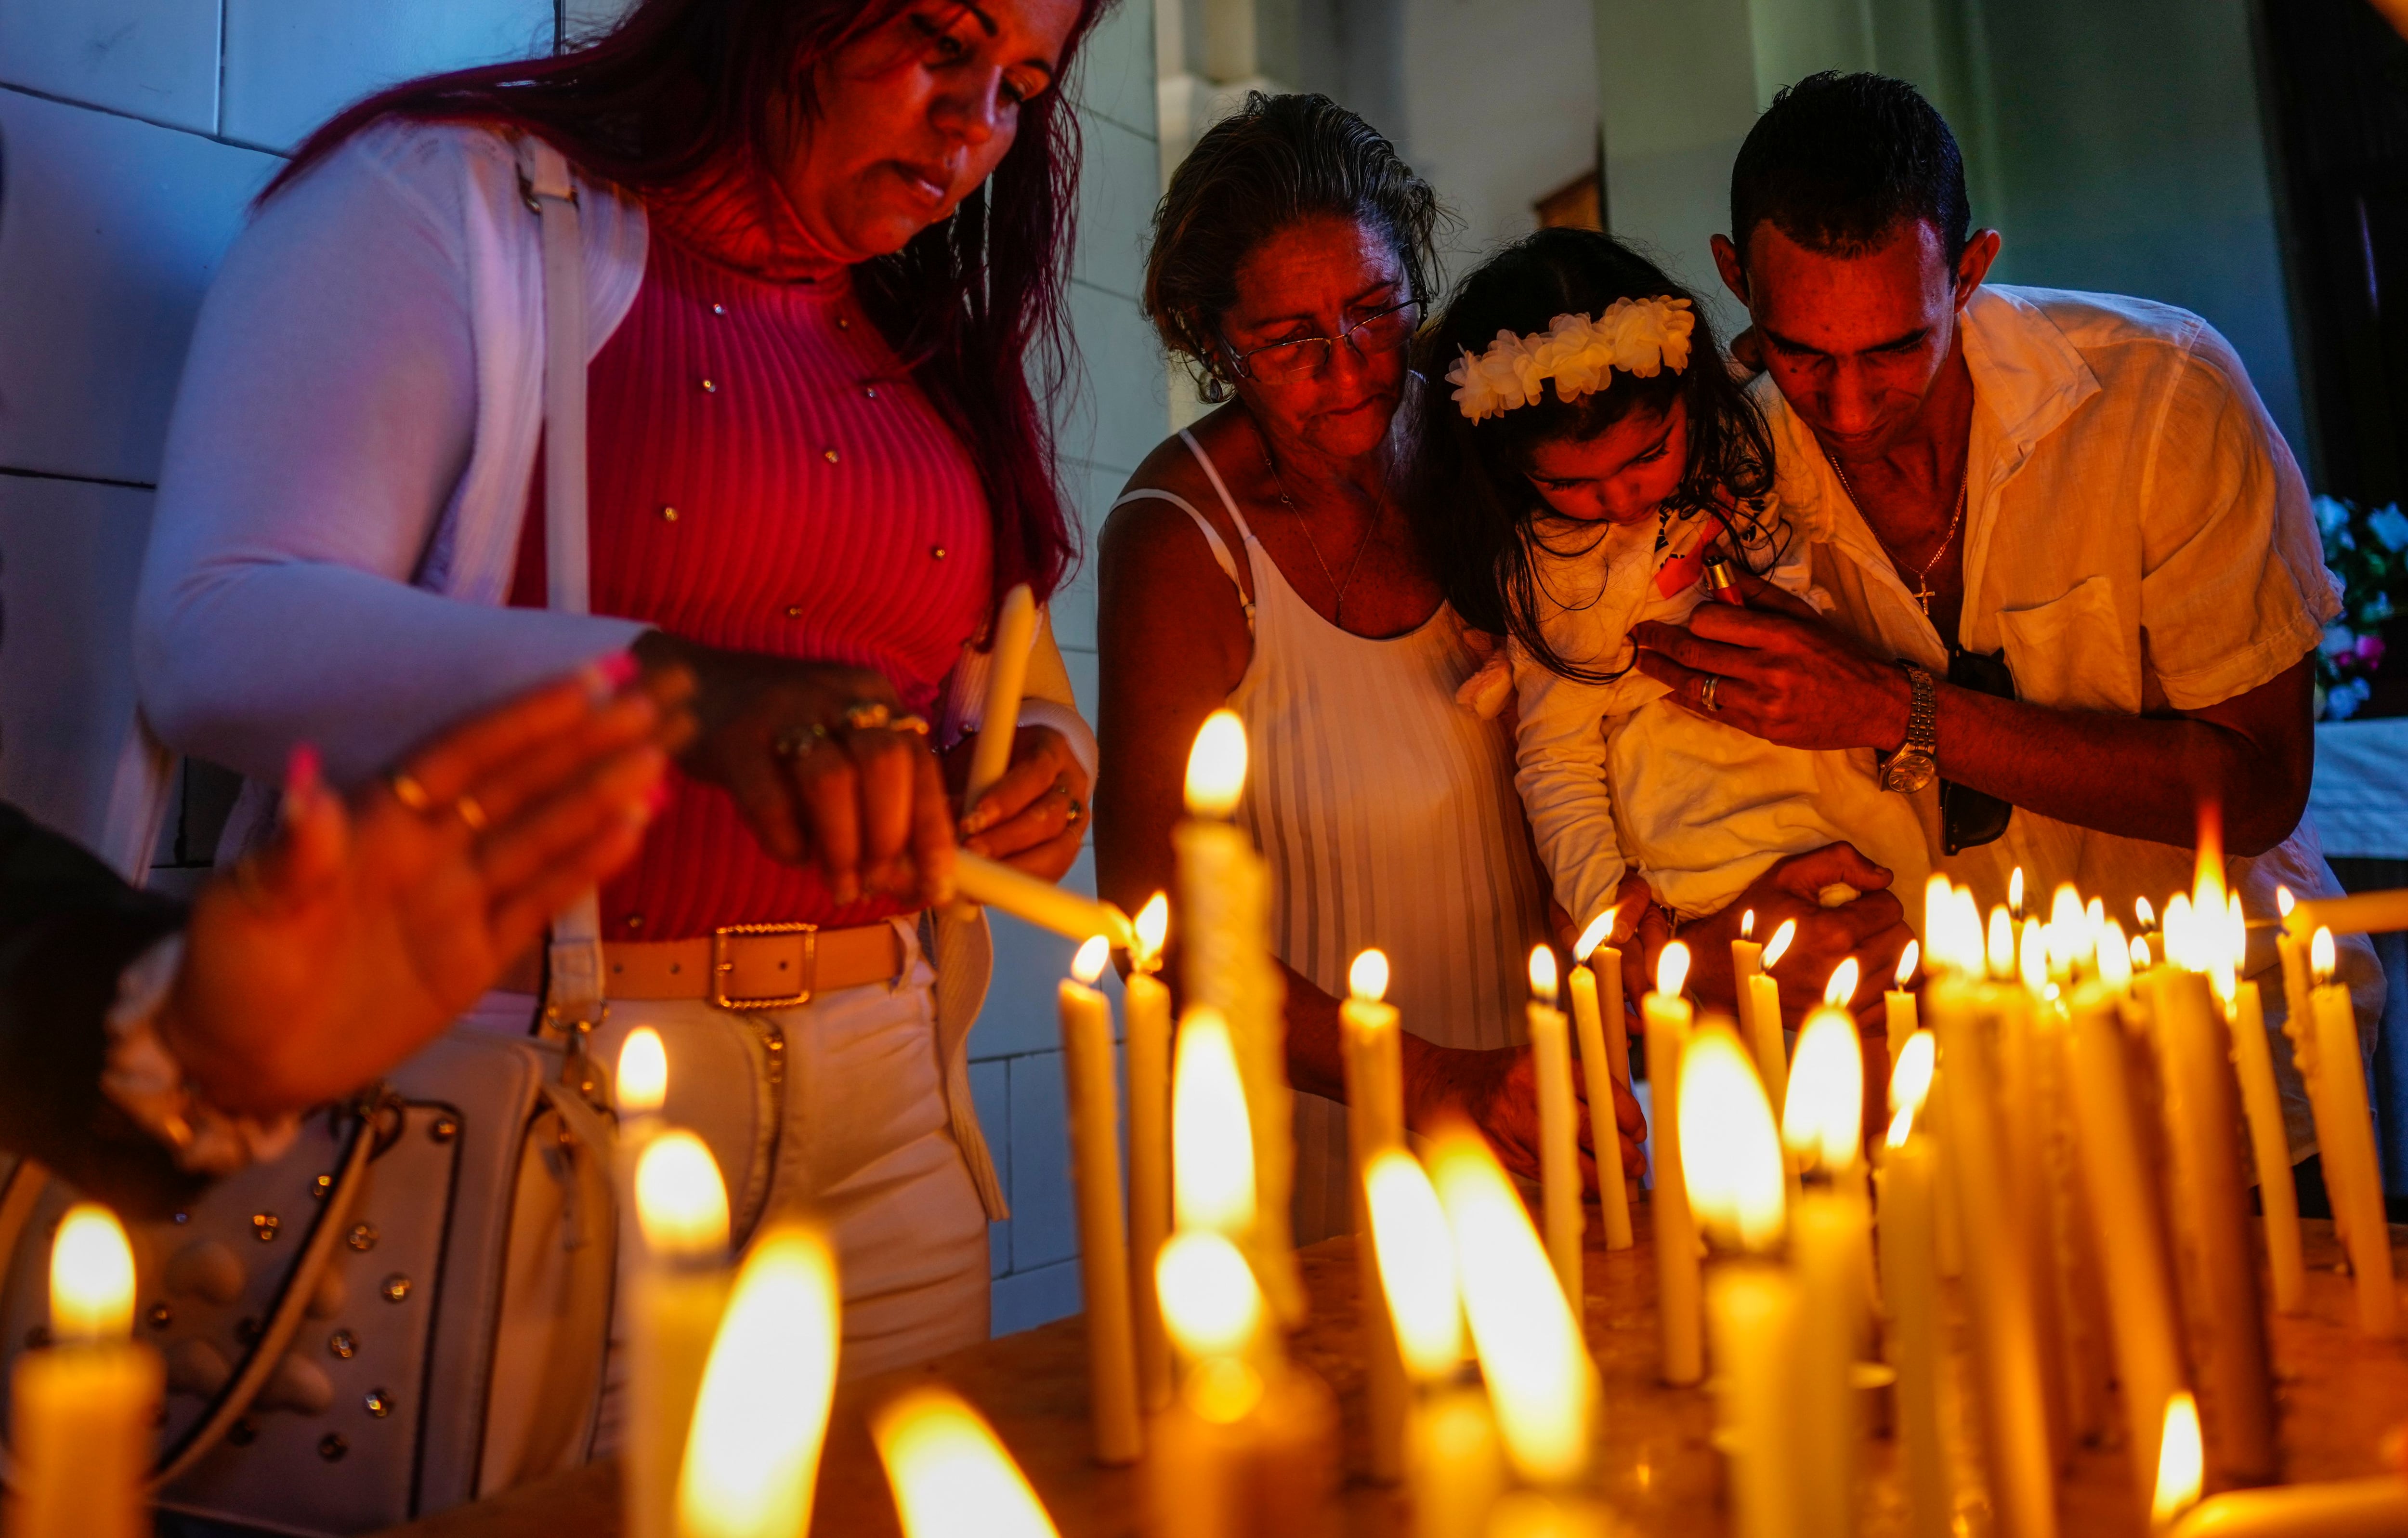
<point>573,981</point>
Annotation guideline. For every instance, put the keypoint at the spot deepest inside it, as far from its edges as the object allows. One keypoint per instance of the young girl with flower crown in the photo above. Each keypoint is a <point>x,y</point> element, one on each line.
<point>1597,465</point>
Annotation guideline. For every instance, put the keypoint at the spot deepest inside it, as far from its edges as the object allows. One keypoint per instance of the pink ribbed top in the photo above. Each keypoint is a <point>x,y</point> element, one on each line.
<point>764,478</point>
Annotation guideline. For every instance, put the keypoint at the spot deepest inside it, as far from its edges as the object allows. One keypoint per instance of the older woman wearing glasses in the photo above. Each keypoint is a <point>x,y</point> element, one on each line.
<point>1259,561</point>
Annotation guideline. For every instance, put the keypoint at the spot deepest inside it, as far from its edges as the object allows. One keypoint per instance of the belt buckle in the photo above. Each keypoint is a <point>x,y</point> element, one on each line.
<point>721,965</point>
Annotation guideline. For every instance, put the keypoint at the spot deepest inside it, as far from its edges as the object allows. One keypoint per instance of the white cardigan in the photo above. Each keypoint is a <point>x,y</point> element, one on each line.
<point>346,471</point>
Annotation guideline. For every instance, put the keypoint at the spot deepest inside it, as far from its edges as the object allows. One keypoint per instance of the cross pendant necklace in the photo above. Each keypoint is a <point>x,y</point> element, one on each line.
<point>1923,593</point>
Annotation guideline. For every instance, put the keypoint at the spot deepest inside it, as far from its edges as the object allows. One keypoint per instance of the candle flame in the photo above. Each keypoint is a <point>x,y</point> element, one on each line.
<point>951,1475</point>
<point>2015,894</point>
<point>91,1277</point>
<point>2146,915</point>
<point>2094,914</point>
<point>1907,961</point>
<point>1216,766</point>
<point>1901,1127</point>
<point>1778,946</point>
<point>1368,979</point>
<point>751,1459</point>
<point>2322,956</point>
<point>1543,975</point>
<point>1730,1155</point>
<point>2182,1461</point>
<point>1910,1081</point>
<point>1212,1142</point>
<point>1408,1238</point>
<point>642,1081</point>
<point>681,1201</point>
<point>1599,931</point>
<point>1531,1354</point>
<point>2174,937</point>
<point>1672,969</point>
<point>1747,924</point>
<point>1824,1118</point>
<point>2116,957</point>
<point>2140,961</point>
<point>2065,906</point>
<point>1152,926</point>
<point>1843,985</point>
<point>1092,956</point>
<point>2031,957</point>
<point>2002,945</point>
<point>2283,901</point>
<point>1210,1303</point>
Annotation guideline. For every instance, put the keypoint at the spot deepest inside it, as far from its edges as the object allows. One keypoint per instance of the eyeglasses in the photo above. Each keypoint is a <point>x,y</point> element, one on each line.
<point>1381,331</point>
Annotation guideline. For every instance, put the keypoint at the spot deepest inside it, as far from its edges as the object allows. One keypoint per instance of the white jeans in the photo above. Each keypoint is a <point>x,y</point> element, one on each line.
<point>844,1120</point>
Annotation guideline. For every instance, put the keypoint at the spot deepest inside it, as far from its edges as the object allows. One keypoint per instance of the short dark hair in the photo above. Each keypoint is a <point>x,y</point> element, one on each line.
<point>1839,161</point>
<point>1277,160</point>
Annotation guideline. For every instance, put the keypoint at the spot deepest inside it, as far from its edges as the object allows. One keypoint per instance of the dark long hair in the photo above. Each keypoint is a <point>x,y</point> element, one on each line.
<point>1277,160</point>
<point>1468,489</point>
<point>973,305</point>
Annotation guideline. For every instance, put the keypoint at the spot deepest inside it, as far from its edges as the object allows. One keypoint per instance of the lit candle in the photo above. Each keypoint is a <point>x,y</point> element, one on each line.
<point>1731,1158</point>
<point>2021,1118</point>
<point>1667,1017</point>
<point>1560,1179</point>
<point>1747,964</point>
<point>1096,1177</point>
<point>1765,1037</point>
<point>1212,1142</point>
<point>995,884</point>
<point>1375,1124</point>
<point>2181,1465</point>
<point>1225,926</point>
<point>679,1295</point>
<point>752,1461</point>
<point>1897,1004</point>
<point>1911,1289</point>
<point>2299,1025</point>
<point>1540,1378</point>
<point>1600,1073</point>
<point>2015,894</point>
<point>638,1086</point>
<point>1007,677</point>
<point>2347,1138</point>
<point>951,1475</point>
<point>2270,1146</point>
<point>1997,1271</point>
<point>1148,1002</point>
<point>1456,1467</point>
<point>2124,1213</point>
<point>1249,1443</point>
<point>81,1410</point>
<point>2216,1270</point>
<point>1830,1238</point>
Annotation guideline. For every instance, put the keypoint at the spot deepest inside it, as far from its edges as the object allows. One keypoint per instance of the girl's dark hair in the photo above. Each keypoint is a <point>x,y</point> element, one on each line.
<point>1469,490</point>
<point>1278,160</point>
<point>970,304</point>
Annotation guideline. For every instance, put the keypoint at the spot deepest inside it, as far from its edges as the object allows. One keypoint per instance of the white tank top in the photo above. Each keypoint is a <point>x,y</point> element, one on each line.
<point>1388,816</point>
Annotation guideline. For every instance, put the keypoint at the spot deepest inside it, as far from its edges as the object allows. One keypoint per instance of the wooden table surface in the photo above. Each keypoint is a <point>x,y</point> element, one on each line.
<point>2339,1393</point>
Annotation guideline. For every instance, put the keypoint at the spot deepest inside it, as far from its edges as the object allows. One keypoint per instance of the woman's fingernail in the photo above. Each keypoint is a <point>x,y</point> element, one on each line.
<point>302,768</point>
<point>618,669</point>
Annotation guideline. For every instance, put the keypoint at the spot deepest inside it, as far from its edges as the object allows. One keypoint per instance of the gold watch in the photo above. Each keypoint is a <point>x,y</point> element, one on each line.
<point>1917,759</point>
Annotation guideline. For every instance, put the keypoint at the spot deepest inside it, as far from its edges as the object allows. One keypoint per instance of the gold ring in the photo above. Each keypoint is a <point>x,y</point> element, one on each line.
<point>472,812</point>
<point>918,724</point>
<point>1077,810</point>
<point>407,791</point>
<point>795,741</point>
<point>867,715</point>
<point>1706,695</point>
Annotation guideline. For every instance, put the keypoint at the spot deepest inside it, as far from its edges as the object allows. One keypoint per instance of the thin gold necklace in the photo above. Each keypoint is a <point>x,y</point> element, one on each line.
<point>1924,593</point>
<point>1337,606</point>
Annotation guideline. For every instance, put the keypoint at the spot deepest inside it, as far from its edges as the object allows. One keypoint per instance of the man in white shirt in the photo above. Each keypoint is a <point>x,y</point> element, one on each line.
<point>2082,488</point>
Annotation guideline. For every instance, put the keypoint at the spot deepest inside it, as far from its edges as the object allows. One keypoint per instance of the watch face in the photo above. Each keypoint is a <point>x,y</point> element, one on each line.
<point>1907,771</point>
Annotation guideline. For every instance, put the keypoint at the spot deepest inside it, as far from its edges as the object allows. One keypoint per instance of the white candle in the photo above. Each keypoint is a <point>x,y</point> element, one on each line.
<point>1732,1162</point>
<point>1375,1124</point>
<point>1763,1016</point>
<point>1224,948</point>
<point>1148,1002</point>
<point>1747,963</point>
<point>2347,1139</point>
<point>81,1409</point>
<point>951,1475</point>
<point>1531,1353</point>
<point>1103,1237</point>
<point>679,1293</point>
<point>2270,1146</point>
<point>1015,627</point>
<point>1597,1072</point>
<point>1668,1017</point>
<point>752,1459</point>
<point>2346,1508</point>
<point>1560,1179</point>
<point>1017,892</point>
<point>2022,1112</point>
<point>1830,1252</point>
<point>1898,1005</point>
<point>1909,1279</point>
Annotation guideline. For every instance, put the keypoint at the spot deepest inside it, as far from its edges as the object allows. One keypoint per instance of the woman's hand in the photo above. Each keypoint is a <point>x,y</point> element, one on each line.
<point>366,928</point>
<point>1035,816</point>
<point>824,765</point>
<point>1497,1088</point>
<point>1872,928</point>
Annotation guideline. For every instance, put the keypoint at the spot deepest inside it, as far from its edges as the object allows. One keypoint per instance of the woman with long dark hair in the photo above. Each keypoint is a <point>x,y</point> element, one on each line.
<point>823,245</point>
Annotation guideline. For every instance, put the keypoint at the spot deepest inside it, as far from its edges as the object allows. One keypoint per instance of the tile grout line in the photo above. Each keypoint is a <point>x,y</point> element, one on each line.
<point>37,95</point>
<point>80,479</point>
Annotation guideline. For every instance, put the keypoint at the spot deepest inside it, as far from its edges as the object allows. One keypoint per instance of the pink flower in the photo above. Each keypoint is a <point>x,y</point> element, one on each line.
<point>2369,652</point>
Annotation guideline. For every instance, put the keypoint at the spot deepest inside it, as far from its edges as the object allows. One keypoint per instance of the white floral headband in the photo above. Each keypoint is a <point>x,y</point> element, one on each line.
<point>1640,337</point>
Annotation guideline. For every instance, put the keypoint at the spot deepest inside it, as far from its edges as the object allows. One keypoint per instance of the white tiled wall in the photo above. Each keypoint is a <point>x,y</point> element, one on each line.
<point>133,134</point>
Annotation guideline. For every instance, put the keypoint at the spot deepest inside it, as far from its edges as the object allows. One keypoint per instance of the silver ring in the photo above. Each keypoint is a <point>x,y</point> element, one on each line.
<point>1706,695</point>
